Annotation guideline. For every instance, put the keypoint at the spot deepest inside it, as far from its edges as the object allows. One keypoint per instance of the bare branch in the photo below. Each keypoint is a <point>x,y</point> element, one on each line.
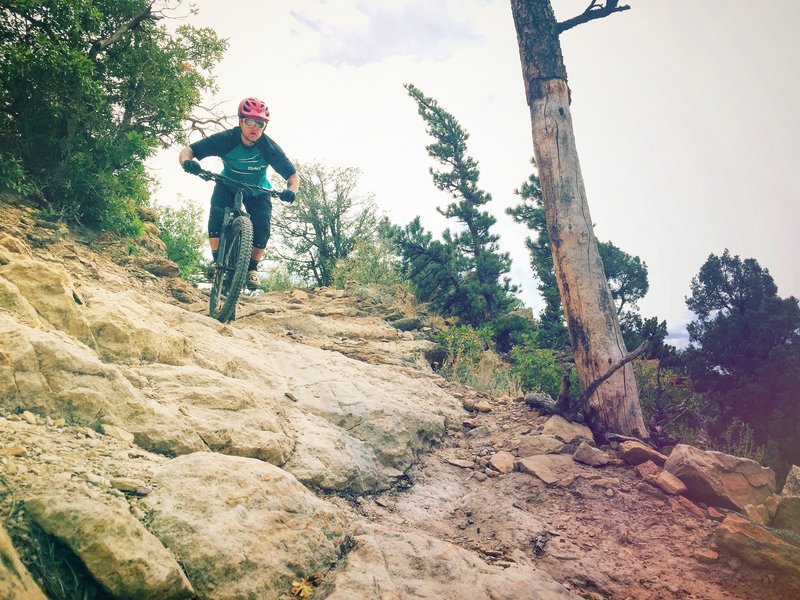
<point>594,11</point>
<point>146,15</point>
<point>590,389</point>
<point>208,121</point>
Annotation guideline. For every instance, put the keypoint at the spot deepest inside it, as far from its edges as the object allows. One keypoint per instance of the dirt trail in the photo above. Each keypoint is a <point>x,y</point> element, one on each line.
<point>604,534</point>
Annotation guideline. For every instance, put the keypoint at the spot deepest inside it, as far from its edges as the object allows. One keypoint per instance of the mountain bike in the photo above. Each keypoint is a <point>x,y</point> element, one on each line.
<point>235,246</point>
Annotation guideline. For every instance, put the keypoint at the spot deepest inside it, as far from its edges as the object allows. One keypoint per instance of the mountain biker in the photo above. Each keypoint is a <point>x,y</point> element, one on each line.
<point>246,152</point>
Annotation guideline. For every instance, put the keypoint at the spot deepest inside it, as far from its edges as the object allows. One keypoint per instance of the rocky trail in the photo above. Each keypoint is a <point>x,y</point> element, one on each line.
<point>308,450</point>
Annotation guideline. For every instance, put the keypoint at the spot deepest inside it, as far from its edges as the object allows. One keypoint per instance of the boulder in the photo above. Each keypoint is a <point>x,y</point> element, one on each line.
<point>242,528</point>
<point>635,453</point>
<point>16,582</point>
<point>559,427</point>
<point>50,290</point>
<point>759,547</point>
<point>387,564</point>
<point>720,479</point>
<point>549,468</point>
<point>531,445</point>
<point>591,456</point>
<point>122,556</point>
<point>787,513</point>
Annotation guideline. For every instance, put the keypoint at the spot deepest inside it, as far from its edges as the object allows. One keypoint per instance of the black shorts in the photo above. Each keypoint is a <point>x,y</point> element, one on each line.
<point>258,207</point>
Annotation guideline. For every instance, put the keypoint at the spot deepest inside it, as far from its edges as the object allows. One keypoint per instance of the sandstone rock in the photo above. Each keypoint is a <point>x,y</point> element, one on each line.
<point>16,582</point>
<point>792,485</point>
<point>670,484</point>
<point>637,452</point>
<point>49,289</point>
<point>720,479</point>
<point>116,432</point>
<point>160,267</point>
<point>502,461</point>
<point>706,556</point>
<point>757,513</point>
<point>549,468</point>
<point>591,456</point>
<point>787,514</point>
<point>559,427</point>
<point>759,547</point>
<point>125,558</point>
<point>250,534</point>
<point>648,471</point>
<point>464,464</point>
<point>531,445</point>
<point>386,564</point>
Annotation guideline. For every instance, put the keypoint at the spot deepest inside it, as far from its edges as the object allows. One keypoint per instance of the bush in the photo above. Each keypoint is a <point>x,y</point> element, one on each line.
<point>541,370</point>
<point>471,362</point>
<point>182,233</point>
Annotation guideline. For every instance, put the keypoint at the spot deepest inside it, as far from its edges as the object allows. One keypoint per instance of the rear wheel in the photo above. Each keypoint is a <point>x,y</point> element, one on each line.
<point>231,270</point>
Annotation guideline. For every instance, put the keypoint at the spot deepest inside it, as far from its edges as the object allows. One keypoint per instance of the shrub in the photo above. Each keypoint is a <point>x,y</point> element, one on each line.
<point>540,369</point>
<point>181,231</point>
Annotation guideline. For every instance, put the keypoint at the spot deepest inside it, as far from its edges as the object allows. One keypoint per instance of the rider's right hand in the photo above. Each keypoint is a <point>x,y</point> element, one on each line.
<point>192,166</point>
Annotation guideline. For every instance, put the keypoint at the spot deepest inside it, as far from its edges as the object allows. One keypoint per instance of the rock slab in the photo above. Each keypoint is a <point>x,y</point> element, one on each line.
<point>720,479</point>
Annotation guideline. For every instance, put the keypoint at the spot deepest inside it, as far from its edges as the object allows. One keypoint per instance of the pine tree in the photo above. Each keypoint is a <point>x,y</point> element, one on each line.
<point>462,275</point>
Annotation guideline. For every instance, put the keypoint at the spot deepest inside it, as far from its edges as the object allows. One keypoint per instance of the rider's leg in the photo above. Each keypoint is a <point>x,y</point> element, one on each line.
<point>220,199</point>
<point>260,209</point>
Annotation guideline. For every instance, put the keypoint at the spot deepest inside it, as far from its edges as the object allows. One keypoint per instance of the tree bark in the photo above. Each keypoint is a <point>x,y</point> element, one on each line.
<point>588,306</point>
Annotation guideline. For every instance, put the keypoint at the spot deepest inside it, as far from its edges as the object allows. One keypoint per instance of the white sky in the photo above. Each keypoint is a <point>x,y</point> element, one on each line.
<point>685,116</point>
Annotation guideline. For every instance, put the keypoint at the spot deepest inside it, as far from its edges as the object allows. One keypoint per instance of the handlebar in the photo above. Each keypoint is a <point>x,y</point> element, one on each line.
<point>245,187</point>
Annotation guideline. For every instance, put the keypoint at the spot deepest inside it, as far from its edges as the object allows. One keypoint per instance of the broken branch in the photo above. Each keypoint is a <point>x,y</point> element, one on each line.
<point>146,15</point>
<point>594,11</point>
<point>590,389</point>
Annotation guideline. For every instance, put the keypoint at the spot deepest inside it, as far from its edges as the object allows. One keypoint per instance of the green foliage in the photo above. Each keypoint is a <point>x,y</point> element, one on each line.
<point>745,351</point>
<point>13,178</point>
<point>669,405</point>
<point>471,362</point>
<point>278,279</point>
<point>541,370</point>
<point>182,232</point>
<point>462,275</point>
<point>371,262</point>
<point>328,222</point>
<point>91,88</point>
<point>510,330</point>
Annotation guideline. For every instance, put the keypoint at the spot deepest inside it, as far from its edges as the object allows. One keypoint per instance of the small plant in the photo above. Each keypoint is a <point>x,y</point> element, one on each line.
<point>180,230</point>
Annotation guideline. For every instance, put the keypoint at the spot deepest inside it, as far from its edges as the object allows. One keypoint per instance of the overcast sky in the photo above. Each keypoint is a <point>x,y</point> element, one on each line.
<point>685,115</point>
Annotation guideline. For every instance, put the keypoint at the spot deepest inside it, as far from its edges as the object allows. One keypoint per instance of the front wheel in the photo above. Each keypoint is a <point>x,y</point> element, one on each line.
<point>231,270</point>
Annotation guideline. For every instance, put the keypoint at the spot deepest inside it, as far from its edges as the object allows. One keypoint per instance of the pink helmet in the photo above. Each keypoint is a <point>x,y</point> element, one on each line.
<point>253,108</point>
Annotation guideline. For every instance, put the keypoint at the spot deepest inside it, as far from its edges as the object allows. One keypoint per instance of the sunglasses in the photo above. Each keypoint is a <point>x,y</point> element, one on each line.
<point>254,123</point>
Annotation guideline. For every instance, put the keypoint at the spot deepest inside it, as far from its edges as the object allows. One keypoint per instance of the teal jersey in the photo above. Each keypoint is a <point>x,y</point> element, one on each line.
<point>246,164</point>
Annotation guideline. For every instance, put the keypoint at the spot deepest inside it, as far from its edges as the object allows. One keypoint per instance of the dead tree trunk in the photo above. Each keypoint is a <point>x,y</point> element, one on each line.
<point>588,307</point>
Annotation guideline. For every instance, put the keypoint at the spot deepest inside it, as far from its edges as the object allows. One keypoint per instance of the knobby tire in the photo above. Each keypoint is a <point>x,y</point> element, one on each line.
<point>232,272</point>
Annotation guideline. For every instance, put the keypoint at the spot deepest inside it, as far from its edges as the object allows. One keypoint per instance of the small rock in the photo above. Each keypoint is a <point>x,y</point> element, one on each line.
<point>126,484</point>
<point>502,461</point>
<point>29,417</point>
<point>758,513</point>
<point>648,471</point>
<point>478,432</point>
<point>480,476</point>
<point>706,556</point>
<point>606,482</point>
<point>670,484</point>
<point>588,455</point>
<point>636,453</point>
<point>15,450</point>
<point>117,433</point>
<point>483,406</point>
<point>713,513</point>
<point>464,464</point>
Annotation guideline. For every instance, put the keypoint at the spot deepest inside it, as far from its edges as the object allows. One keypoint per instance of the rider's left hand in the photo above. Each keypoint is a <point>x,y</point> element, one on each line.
<point>287,196</point>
